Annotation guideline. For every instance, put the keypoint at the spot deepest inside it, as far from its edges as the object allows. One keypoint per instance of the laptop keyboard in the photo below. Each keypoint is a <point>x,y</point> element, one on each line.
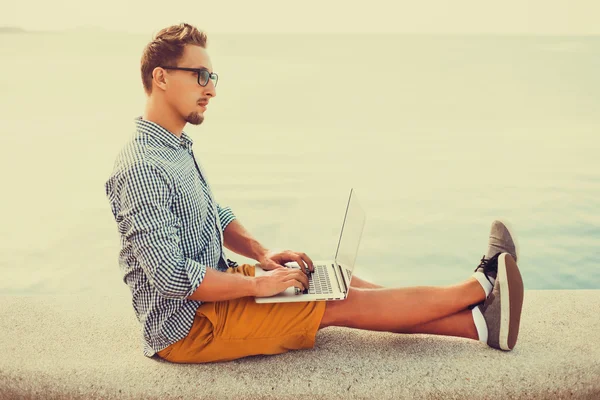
<point>319,281</point>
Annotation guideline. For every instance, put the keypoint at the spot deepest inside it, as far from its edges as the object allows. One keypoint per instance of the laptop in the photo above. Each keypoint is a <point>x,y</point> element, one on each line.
<point>331,278</point>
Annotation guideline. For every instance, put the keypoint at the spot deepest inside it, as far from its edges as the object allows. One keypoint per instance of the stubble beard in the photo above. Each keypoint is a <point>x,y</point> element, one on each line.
<point>195,118</point>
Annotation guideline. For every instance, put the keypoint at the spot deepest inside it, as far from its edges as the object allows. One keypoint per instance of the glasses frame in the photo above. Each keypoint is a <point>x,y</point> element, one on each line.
<point>211,75</point>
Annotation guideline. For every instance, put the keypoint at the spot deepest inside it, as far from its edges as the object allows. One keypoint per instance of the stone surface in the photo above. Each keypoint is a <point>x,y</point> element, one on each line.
<point>82,347</point>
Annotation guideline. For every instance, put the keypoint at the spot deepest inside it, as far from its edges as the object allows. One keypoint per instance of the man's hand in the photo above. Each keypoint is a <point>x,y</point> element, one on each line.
<point>278,280</point>
<point>275,259</point>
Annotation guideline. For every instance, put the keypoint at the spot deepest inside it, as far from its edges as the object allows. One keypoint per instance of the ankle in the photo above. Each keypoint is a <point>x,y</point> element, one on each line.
<point>476,289</point>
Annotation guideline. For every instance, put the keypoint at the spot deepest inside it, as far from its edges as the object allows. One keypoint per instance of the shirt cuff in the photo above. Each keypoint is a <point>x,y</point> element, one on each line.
<point>226,215</point>
<point>196,273</point>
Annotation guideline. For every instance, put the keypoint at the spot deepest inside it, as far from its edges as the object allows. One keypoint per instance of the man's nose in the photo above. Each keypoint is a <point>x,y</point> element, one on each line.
<point>209,89</point>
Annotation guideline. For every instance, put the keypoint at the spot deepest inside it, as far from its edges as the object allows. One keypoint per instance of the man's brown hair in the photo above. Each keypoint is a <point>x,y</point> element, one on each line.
<point>167,48</point>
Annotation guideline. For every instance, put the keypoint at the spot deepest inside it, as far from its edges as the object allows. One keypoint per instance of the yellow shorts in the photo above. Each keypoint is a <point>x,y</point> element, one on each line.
<point>227,330</point>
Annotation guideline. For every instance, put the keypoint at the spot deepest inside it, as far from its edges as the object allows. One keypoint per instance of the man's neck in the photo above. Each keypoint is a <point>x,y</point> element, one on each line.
<point>163,116</point>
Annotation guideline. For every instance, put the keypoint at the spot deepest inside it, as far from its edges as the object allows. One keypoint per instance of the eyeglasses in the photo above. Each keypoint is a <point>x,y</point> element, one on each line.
<point>203,75</point>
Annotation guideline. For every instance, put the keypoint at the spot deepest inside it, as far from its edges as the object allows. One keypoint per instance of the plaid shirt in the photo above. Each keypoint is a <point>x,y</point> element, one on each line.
<point>171,230</point>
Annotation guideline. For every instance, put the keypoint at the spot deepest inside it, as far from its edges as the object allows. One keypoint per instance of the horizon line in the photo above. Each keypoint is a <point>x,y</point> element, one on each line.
<point>19,29</point>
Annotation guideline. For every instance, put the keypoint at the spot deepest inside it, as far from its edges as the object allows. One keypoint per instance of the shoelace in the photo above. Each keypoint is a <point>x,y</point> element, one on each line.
<point>231,263</point>
<point>489,265</point>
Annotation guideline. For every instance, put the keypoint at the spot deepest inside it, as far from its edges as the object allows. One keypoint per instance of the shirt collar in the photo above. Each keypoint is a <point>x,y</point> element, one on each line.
<point>156,131</point>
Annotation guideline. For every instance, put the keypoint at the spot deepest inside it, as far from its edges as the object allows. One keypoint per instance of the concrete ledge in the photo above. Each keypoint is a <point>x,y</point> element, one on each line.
<point>82,347</point>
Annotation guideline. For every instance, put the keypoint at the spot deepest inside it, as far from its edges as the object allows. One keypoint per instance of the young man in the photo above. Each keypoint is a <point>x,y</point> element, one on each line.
<point>195,305</point>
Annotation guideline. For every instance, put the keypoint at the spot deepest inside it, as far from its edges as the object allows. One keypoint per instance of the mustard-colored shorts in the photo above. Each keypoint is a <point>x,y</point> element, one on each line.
<point>227,330</point>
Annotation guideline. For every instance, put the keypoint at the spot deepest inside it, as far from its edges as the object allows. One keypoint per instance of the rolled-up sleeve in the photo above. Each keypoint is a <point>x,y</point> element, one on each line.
<point>226,215</point>
<point>149,226</point>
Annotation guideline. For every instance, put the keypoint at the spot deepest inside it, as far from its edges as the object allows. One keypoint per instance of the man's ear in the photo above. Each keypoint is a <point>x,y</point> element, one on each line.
<point>159,77</point>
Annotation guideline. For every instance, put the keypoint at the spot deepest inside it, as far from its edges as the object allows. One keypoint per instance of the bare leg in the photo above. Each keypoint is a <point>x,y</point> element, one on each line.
<point>360,283</point>
<point>460,324</point>
<point>401,309</point>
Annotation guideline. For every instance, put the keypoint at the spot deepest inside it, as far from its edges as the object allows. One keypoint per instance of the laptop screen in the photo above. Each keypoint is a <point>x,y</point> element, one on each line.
<point>352,228</point>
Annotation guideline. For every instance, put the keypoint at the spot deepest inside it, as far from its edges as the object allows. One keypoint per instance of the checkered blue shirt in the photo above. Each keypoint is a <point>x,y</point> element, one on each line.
<point>171,230</point>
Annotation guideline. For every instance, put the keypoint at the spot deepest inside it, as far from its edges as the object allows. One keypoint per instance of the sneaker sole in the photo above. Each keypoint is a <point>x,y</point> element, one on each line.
<point>511,295</point>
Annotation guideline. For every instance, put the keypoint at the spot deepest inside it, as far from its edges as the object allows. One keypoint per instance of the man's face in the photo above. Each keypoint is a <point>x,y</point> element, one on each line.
<point>183,92</point>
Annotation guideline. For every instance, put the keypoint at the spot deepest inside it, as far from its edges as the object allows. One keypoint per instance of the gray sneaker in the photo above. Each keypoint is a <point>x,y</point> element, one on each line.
<point>501,240</point>
<point>502,309</point>
<point>489,268</point>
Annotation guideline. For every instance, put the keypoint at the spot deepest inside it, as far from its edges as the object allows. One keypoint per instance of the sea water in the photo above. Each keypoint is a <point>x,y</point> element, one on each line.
<point>438,135</point>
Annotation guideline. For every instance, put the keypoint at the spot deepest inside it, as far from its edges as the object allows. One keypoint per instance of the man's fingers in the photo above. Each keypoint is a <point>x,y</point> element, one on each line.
<point>300,262</point>
<point>303,279</point>
<point>308,261</point>
<point>306,282</point>
<point>298,277</point>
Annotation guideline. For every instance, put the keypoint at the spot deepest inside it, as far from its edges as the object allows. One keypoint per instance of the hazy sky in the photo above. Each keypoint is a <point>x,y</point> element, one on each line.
<point>418,16</point>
